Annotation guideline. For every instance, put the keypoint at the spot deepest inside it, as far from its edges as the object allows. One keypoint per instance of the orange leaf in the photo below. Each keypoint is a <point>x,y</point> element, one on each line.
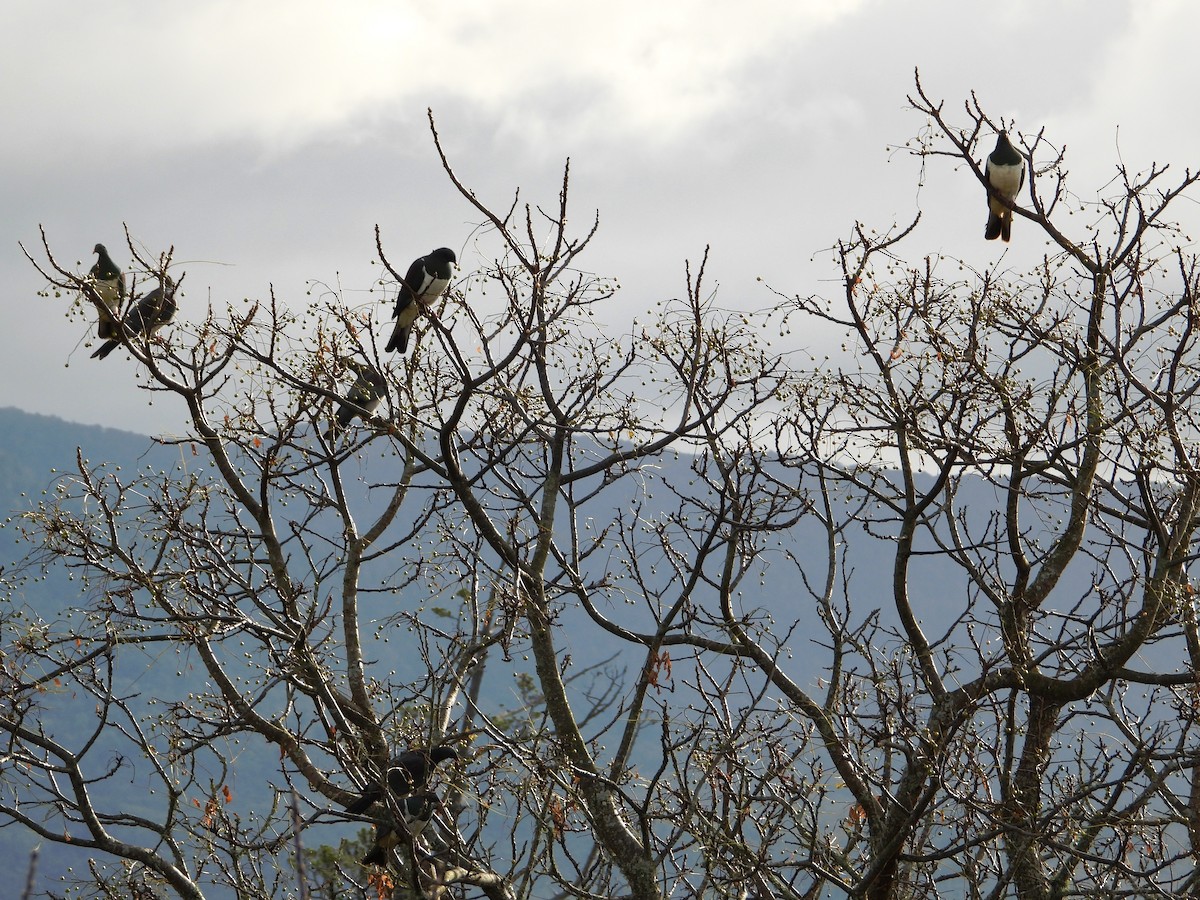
<point>210,811</point>
<point>382,882</point>
<point>227,793</point>
<point>558,816</point>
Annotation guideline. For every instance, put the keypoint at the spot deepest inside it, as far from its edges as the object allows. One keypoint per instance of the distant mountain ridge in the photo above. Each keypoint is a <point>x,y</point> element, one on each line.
<point>33,446</point>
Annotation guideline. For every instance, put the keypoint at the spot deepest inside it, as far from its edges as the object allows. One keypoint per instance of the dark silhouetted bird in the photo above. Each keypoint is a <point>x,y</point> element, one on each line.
<point>109,285</point>
<point>1005,173</point>
<point>426,279</point>
<point>150,313</point>
<point>406,774</point>
<point>415,813</point>
<point>364,396</point>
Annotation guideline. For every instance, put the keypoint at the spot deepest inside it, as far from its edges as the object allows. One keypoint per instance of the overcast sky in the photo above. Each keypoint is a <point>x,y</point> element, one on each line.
<point>265,140</point>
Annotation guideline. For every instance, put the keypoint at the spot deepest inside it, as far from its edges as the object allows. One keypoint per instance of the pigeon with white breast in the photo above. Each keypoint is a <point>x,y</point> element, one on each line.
<point>415,813</point>
<point>1005,174</point>
<point>406,773</point>
<point>427,278</point>
<point>362,399</point>
<point>109,285</point>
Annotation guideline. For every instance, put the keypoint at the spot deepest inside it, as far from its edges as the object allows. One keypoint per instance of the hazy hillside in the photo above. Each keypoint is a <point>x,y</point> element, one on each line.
<point>34,447</point>
<point>38,449</point>
<point>34,451</point>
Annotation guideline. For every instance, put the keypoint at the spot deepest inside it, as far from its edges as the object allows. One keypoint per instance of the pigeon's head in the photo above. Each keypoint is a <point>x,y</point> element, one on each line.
<point>444,254</point>
<point>441,754</point>
<point>99,248</point>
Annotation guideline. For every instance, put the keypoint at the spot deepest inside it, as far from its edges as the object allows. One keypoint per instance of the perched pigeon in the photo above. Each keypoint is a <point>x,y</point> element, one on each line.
<point>406,774</point>
<point>1005,173</point>
<point>364,396</point>
<point>109,285</point>
<point>151,312</point>
<point>415,813</point>
<point>426,279</point>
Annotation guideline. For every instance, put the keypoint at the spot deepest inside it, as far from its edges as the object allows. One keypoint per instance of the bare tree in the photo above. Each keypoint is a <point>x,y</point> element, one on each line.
<point>1015,730</point>
<point>671,545</point>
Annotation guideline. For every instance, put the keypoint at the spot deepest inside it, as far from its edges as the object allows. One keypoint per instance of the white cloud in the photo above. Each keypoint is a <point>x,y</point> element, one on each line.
<point>152,76</point>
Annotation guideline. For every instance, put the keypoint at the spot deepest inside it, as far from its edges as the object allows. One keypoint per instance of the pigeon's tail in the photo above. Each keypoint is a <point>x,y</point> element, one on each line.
<point>386,839</point>
<point>997,227</point>
<point>105,349</point>
<point>341,421</point>
<point>398,340</point>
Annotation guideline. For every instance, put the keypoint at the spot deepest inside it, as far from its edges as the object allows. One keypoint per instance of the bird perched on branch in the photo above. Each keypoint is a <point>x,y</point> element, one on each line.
<point>1005,174</point>
<point>426,279</point>
<point>150,313</point>
<point>362,399</point>
<point>406,774</point>
<point>109,285</point>
<point>415,813</point>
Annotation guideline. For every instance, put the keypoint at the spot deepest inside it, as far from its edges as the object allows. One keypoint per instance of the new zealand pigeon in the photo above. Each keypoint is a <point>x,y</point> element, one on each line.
<point>367,393</point>
<point>415,813</point>
<point>151,312</point>
<point>426,279</point>
<point>406,774</point>
<point>1005,173</point>
<point>109,285</point>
